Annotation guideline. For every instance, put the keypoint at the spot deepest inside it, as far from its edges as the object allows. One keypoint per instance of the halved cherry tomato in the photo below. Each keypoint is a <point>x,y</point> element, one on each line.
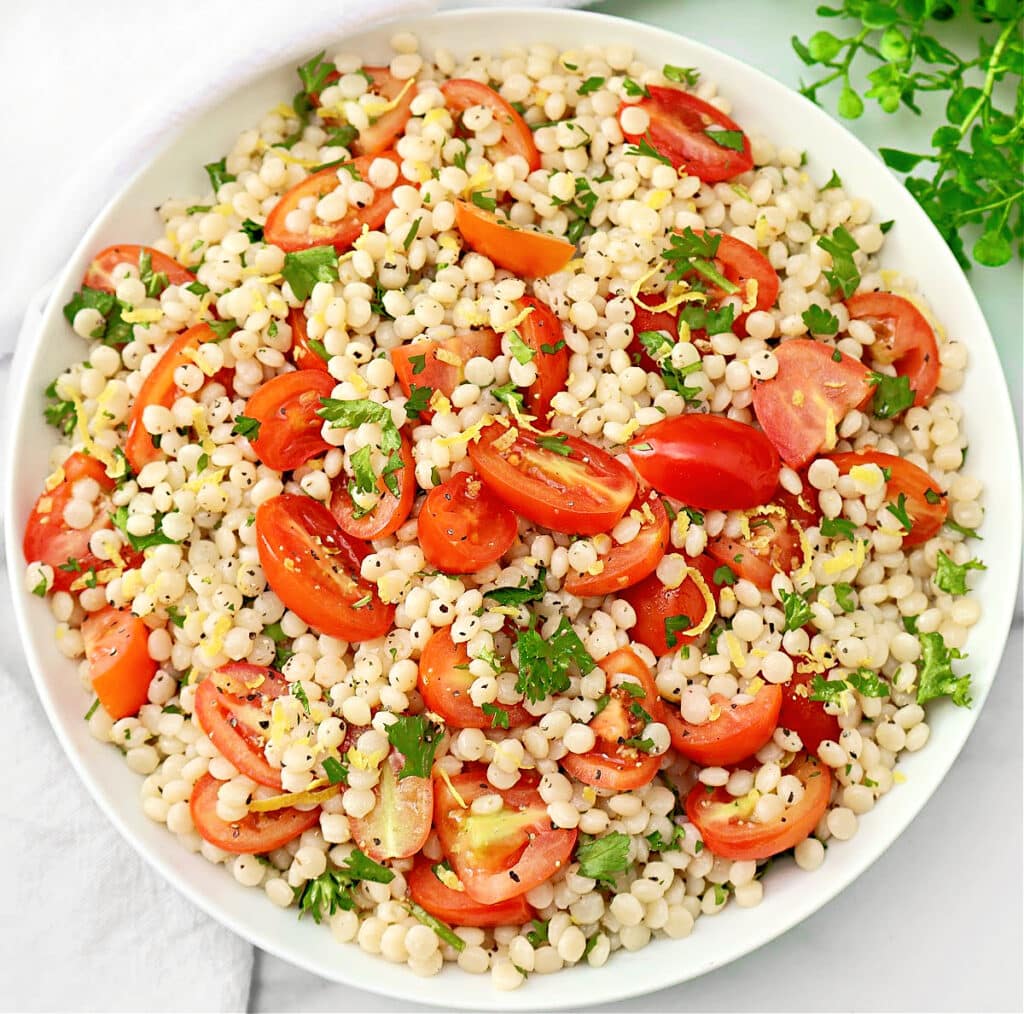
<point>341,234</point>
<point>679,130</point>
<point>463,526</point>
<point>399,823</point>
<point>524,253</point>
<point>159,389</point>
<point>707,461</point>
<point>504,854</point>
<point>516,137</point>
<point>801,407</point>
<point>741,264</point>
<point>542,332</point>
<point>654,604</point>
<point>582,492</point>
<point>807,718</point>
<point>441,366</point>
<point>286,408</point>
<point>255,833</point>
<point>233,708</point>
<point>646,319</point>
<point>616,762</point>
<point>100,273</point>
<point>925,502</point>
<point>626,564</point>
<point>444,682</point>
<point>904,338</point>
<point>390,512</point>
<point>303,355</point>
<point>117,650</point>
<point>386,127</point>
<point>457,908</point>
<point>313,566</point>
<point>739,731</point>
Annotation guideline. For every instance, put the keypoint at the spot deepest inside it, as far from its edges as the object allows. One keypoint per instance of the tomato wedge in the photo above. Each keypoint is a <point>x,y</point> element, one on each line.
<point>117,650</point>
<point>390,512</point>
<point>739,731</point>
<point>399,823</point>
<point>286,408</point>
<point>707,461</point>
<point>925,502</point>
<point>441,365</point>
<point>100,273</point>
<point>693,135</point>
<point>618,760</point>
<point>582,492</point>
<point>313,566</point>
<point>725,825</point>
<point>803,404</point>
<point>904,338</point>
<point>646,319</point>
<point>524,253</point>
<point>385,128</point>
<point>807,718</point>
<point>233,708</point>
<point>516,137</point>
<point>444,682</point>
<point>256,833</point>
<point>628,563</point>
<point>742,264</point>
<point>542,332</point>
<point>504,854</point>
<point>457,908</point>
<point>303,354</point>
<point>341,234</point>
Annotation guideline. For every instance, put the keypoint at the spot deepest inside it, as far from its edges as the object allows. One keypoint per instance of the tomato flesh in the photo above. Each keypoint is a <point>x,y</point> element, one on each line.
<point>388,126</point>
<point>526,254</point>
<point>390,511</point>
<point>117,650</point>
<point>100,273</point>
<point>457,908</point>
<point>516,137</point>
<point>303,354</point>
<point>807,718</point>
<point>399,823</point>
<point>542,332</point>
<point>739,731</point>
<point>286,408</point>
<point>441,365</point>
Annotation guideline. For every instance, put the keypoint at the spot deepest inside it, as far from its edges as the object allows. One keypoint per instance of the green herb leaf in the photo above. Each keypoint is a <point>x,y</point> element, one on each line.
<point>646,148</point>
<point>631,87</point>
<point>538,936</point>
<point>892,395</point>
<point>246,427</point>
<point>952,577</point>
<point>253,230</point>
<point>304,268</point>
<point>337,773</point>
<point>418,401</point>
<point>557,445</point>
<point>842,528</point>
<point>731,139</point>
<point>819,320</point>
<point>332,890</point>
<point>591,85</point>
<point>724,575</point>
<point>154,281</point>
<point>442,929</point>
<point>416,738</point>
<point>693,253</point>
<point>532,592</point>
<point>498,716</point>
<point>867,683</point>
<point>844,596</point>
<point>314,73</point>
<point>796,608</point>
<point>900,513</point>
<point>521,352</point>
<point>688,76</point>
<point>411,234</point>
<point>298,692</point>
<point>935,672</point>
<point>544,663</point>
<point>140,542</point>
<point>844,275</point>
<point>218,174</point>
<point>602,858</point>
<point>481,200</point>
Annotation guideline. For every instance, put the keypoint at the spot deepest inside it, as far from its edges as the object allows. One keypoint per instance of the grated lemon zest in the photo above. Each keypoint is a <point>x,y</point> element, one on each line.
<point>358,383</point>
<point>435,115</point>
<point>202,429</point>
<point>193,355</point>
<point>213,479</point>
<point>638,285</point>
<point>53,480</point>
<point>451,788</point>
<point>751,298</point>
<point>449,357</point>
<point>848,558</point>
<point>366,761</point>
<point>145,315</point>
<point>657,199</point>
<point>755,685</point>
<point>709,604</point>
<point>439,403</point>
<point>473,433</point>
<point>216,642</point>
<point>102,577</point>
<point>589,794</point>
<point>899,777</point>
<point>679,293</point>
<point>805,547</point>
<point>449,878</point>
<point>307,797</point>
<point>379,107</point>
<point>479,179</point>
<point>736,656</point>
<point>515,321</point>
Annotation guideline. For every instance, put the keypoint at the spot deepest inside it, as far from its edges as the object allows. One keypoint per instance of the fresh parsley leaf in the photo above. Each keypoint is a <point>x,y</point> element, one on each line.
<point>827,691</point>
<point>557,445</point>
<point>844,275</point>
<point>820,321</point>
<point>222,328</point>
<point>304,268</point>
<point>442,929</point>
<point>658,843</point>
<point>724,575</point>
<point>867,683</point>
<point>337,773</point>
<point>673,625</point>
<point>482,201</point>
<point>714,320</point>
<point>538,936</point>
<point>731,139</point>
<point>796,608</point>
<point>910,624</point>
<point>935,672</point>
<point>842,528</point>
<point>631,87</point>
<point>532,592</point>
<point>341,136</point>
<point>591,85</point>
<point>967,533</point>
<point>646,148</point>
<point>154,281</point>
<point>62,415</point>
<point>92,709</point>
<point>691,253</point>
<point>521,352</point>
<point>411,234</point>
<point>419,400</point>
<point>113,329</point>
<point>218,174</point>
<point>952,577</point>
<point>140,542</point>
<point>688,76</point>
<point>298,692</point>
<point>892,395</point>
<point>332,890</point>
<point>419,364</point>
<point>659,347</point>
<point>834,182</point>
<point>900,513</point>
<point>416,738</point>
<point>602,858</point>
<point>544,663</point>
<point>176,616</point>
<point>509,395</point>
<point>253,230</point>
<point>844,596</point>
<point>361,462</point>
<point>41,587</point>
<point>314,73</point>
<point>498,716</point>
<point>246,427</point>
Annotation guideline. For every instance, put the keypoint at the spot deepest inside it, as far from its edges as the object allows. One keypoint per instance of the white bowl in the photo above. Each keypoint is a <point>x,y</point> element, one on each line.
<point>913,245</point>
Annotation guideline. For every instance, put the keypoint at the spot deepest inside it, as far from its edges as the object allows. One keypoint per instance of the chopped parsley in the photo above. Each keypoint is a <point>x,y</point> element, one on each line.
<point>657,843</point>
<point>442,929</point>
<point>693,253</point>
<point>820,321</point>
<point>416,738</point>
<point>797,610</point>
<point>538,936</point>
<point>952,577</point>
<point>217,171</point>
<point>62,415</point>
<point>967,533</point>
<point>646,149</point>
<point>352,413</point>
<point>591,85</point>
<point>557,445</point>
<point>140,542</point>
<point>482,201</point>
<point>892,395</point>
<point>602,858</point>
<point>724,575</point>
<point>844,596</point>
<point>659,347</point>
<point>842,528</point>
<point>713,320</point>
<point>498,716</point>
<point>298,692</point>
<point>899,512</point>
<point>332,890</point>
<point>419,400</point>
<point>411,234</point>
<point>337,773</point>
<point>688,76</point>
<point>731,139</point>
<point>521,352</point>
<point>527,592</point>
<point>867,683</point>
<point>253,230</point>
<point>673,625</point>
<point>834,182</point>
<point>92,709</point>
<point>935,672</point>
<point>544,662</point>
<point>112,329</point>
<point>304,268</point>
<point>247,427</point>
<point>844,275</point>
<point>154,281</point>
<point>631,87</point>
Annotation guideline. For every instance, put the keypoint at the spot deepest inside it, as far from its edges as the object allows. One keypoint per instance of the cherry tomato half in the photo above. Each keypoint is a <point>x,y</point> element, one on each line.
<point>738,731</point>
<point>117,650</point>
<point>387,126</point>
<point>390,511</point>
<point>100,273</point>
<point>286,408</point>
<point>303,354</point>
<point>462,93</point>
<point>457,908</point>
<point>399,823</point>
<point>742,264</point>
<point>646,319</point>
<point>526,254</point>
<point>441,366</point>
<point>807,718</point>
<point>542,332</point>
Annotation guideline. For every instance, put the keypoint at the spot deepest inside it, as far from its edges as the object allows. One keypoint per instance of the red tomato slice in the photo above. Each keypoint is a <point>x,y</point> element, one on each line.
<point>256,833</point>
<point>739,731</point>
<point>341,234</point>
<point>444,682</point>
<point>904,338</point>
<point>457,908</point>
<point>742,263</point>
<point>385,129</point>
<point>303,355</point>
<point>646,319</point>
<point>391,511</point>
<point>925,502</point>
<point>313,566</point>
<point>725,826</point>
<point>614,763</point>
<point>159,389</point>
<point>399,823</point>
<point>626,564</point>
<point>524,253</point>
<point>417,363</point>
<point>100,273</point>
<point>233,708</point>
<point>542,332</point>
<point>117,650</point>
<point>707,461</point>
<point>679,124</point>
<point>516,137</point>
<point>807,718</point>
<point>286,408</point>
<point>498,855</point>
<point>803,404</point>
<point>580,493</point>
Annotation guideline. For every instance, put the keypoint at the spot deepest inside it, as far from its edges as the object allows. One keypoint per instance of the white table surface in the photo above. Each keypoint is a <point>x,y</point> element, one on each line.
<point>917,931</point>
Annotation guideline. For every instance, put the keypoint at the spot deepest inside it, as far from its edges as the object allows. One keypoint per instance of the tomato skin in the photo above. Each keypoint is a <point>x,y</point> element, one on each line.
<point>913,482</point>
<point>582,493</point>
<point>628,564</point>
<point>457,908</point>
<point>463,526</point>
<point>516,137</point>
<point>302,352</point>
<point>399,823</point>
<point>646,319</point>
<point>100,273</point>
<point>740,731</point>
<point>436,373</point>
<point>526,254</point>
<point>379,136</point>
<point>904,339</point>
<point>391,511</point>
<point>807,718</point>
<point>707,461</point>
<point>286,407</point>
<point>313,566</point>
<point>117,649</point>
<point>611,765</point>
<point>540,330</point>
<point>741,263</point>
<point>677,124</point>
<point>341,234</point>
<point>224,700</point>
<point>255,833</point>
<point>803,404</point>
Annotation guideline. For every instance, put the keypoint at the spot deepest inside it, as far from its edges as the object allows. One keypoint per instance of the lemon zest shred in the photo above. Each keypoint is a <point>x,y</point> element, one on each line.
<point>515,321</point>
<point>307,797</point>
<point>446,778</point>
<point>473,433</point>
<point>736,656</point>
<point>848,558</point>
<point>144,315</point>
<point>365,761</point>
